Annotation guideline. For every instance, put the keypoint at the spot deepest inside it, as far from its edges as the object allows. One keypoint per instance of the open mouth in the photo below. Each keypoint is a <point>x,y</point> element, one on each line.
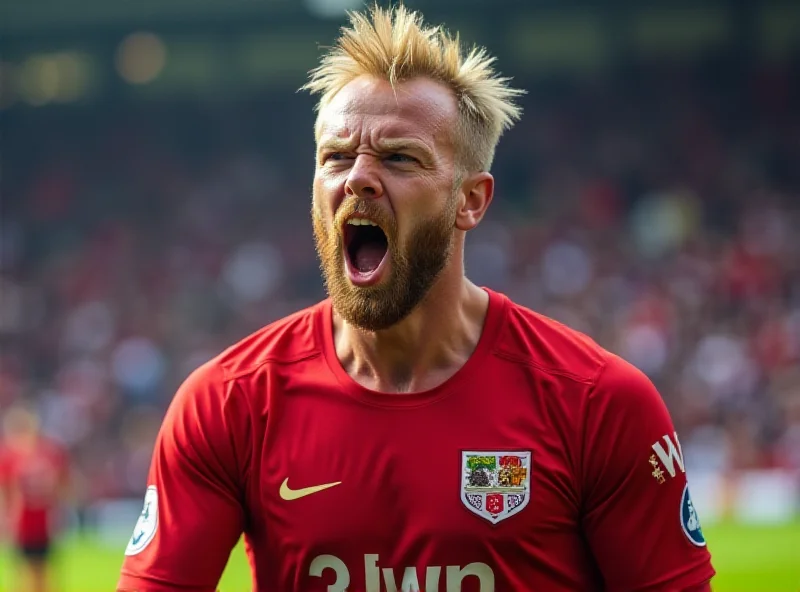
<point>366,246</point>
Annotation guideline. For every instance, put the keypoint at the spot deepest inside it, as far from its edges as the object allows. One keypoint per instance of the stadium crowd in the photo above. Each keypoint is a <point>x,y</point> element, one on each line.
<point>654,210</point>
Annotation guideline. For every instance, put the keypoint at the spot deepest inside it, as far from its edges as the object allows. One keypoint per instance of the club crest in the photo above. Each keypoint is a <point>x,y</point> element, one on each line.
<point>495,485</point>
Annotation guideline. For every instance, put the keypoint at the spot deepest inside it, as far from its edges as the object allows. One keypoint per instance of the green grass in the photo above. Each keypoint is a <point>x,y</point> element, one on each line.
<point>747,559</point>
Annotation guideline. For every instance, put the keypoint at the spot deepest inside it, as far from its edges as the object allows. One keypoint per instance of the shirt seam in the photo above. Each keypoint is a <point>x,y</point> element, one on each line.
<point>581,434</point>
<point>232,376</point>
<point>549,369</point>
<point>247,472</point>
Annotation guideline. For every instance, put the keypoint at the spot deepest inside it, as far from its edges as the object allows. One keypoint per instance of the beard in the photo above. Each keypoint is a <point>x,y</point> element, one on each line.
<point>415,264</point>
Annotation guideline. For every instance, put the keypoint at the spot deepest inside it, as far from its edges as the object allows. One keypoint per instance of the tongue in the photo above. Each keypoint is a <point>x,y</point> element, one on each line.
<point>368,256</point>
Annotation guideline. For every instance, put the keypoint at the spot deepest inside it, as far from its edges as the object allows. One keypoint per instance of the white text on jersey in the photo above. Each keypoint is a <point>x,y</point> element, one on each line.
<point>454,575</point>
<point>671,455</point>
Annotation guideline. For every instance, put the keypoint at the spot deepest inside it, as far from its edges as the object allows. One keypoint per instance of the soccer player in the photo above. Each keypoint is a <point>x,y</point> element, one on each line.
<point>415,431</point>
<point>33,484</point>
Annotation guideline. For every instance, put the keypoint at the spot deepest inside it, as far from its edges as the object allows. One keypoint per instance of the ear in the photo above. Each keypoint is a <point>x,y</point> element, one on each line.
<point>477,191</point>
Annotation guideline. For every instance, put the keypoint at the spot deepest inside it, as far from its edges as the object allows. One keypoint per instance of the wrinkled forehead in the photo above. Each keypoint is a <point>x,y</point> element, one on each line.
<point>370,106</point>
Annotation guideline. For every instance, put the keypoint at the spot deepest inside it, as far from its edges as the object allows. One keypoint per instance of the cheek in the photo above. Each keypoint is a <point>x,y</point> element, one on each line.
<point>408,230</point>
<point>425,203</point>
<point>328,191</point>
<point>320,195</point>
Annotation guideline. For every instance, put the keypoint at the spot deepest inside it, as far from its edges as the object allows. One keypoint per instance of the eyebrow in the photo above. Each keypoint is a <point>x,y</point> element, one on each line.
<point>336,144</point>
<point>384,145</point>
<point>402,144</point>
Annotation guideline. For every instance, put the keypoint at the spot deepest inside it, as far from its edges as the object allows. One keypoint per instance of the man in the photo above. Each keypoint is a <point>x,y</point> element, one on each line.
<point>414,431</point>
<point>33,485</point>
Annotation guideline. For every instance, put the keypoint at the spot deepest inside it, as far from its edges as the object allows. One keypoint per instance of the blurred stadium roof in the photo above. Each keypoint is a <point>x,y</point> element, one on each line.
<point>34,16</point>
<point>79,49</point>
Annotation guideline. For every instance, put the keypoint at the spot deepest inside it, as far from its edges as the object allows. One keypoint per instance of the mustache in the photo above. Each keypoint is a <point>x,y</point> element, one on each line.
<point>354,206</point>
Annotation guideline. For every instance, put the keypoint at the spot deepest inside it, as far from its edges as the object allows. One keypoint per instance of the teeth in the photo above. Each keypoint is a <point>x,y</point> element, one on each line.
<point>361,222</point>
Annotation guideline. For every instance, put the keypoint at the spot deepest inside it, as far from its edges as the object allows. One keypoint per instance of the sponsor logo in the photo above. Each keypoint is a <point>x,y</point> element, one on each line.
<point>146,525</point>
<point>495,485</point>
<point>670,456</point>
<point>289,494</point>
<point>690,523</point>
<point>377,578</point>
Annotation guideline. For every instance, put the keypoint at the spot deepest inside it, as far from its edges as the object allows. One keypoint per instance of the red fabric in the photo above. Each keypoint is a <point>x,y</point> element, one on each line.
<point>275,414</point>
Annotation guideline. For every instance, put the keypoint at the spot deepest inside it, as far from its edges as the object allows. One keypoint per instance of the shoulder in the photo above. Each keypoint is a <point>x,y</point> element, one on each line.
<point>623,385</point>
<point>211,391</point>
<point>553,348</point>
<point>531,338</point>
<point>285,341</point>
<point>216,409</point>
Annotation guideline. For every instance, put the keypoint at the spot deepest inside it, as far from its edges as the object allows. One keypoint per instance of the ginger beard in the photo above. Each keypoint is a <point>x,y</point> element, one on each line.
<point>414,264</point>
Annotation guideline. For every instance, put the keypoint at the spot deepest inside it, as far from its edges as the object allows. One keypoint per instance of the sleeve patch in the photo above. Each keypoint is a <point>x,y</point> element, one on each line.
<point>146,525</point>
<point>690,523</point>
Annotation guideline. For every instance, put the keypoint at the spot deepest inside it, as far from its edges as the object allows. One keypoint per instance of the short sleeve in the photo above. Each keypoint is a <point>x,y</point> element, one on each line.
<point>193,512</point>
<point>638,516</point>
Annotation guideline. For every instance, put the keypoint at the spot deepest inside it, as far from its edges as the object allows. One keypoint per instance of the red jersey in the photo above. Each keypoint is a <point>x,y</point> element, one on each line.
<point>32,482</point>
<point>544,463</point>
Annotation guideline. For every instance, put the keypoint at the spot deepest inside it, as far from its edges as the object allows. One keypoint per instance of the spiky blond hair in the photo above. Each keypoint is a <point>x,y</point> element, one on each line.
<point>396,45</point>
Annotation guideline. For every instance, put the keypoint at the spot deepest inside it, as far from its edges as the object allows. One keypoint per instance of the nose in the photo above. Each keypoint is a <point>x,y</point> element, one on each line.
<point>364,180</point>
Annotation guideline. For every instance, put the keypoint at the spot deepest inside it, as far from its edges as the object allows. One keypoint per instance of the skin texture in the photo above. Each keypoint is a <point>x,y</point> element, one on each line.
<point>387,154</point>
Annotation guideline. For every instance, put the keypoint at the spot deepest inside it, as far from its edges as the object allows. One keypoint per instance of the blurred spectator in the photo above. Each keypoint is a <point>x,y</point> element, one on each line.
<point>632,209</point>
<point>34,486</point>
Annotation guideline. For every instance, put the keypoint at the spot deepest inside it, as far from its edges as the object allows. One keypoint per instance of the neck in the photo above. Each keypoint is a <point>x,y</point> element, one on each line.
<point>424,349</point>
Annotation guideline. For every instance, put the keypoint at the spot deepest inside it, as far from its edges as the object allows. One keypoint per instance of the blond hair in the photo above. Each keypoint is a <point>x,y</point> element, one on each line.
<point>395,45</point>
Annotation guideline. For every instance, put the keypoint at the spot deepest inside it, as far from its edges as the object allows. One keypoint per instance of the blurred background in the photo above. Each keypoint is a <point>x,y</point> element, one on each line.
<point>156,168</point>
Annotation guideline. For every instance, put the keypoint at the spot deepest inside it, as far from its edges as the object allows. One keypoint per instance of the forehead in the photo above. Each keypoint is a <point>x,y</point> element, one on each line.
<point>367,105</point>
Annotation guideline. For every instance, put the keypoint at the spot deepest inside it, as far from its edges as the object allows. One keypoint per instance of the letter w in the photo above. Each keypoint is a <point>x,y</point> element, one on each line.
<point>671,455</point>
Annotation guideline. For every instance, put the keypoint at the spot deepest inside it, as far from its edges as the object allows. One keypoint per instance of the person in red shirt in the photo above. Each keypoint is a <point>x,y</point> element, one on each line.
<point>33,484</point>
<point>415,431</point>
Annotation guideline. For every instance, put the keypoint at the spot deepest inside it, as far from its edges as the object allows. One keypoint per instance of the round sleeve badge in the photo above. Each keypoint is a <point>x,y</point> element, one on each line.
<point>689,520</point>
<point>146,525</point>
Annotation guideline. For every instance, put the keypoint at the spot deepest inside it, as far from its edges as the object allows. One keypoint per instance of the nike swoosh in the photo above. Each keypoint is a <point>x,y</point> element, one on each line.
<point>293,494</point>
